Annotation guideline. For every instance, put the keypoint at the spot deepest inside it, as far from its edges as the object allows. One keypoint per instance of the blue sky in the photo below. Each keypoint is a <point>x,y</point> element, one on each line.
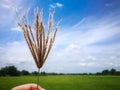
<point>88,39</point>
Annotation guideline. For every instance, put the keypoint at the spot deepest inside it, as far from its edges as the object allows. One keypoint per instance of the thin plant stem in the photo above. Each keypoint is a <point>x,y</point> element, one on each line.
<point>38,78</point>
<point>39,42</point>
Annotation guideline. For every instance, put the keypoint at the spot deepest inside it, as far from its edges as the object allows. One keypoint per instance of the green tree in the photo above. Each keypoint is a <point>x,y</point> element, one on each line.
<point>2,72</point>
<point>113,71</point>
<point>34,73</point>
<point>24,72</point>
<point>9,71</point>
<point>43,73</point>
<point>105,72</point>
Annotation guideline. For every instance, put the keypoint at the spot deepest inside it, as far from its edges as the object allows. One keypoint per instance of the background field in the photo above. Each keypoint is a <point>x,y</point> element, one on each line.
<point>65,82</point>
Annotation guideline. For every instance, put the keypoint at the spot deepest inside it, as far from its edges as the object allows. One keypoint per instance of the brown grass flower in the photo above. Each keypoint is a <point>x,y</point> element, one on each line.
<point>38,40</point>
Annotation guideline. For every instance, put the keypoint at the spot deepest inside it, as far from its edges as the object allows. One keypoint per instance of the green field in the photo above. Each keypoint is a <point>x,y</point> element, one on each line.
<point>65,82</point>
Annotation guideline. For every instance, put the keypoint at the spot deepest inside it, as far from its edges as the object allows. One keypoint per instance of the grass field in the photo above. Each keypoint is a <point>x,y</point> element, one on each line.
<point>65,82</point>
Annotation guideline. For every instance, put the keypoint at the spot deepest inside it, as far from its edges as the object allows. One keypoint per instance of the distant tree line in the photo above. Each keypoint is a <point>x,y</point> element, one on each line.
<point>13,71</point>
<point>109,72</point>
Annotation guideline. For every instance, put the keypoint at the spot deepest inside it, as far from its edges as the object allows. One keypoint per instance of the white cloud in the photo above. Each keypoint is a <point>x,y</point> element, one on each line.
<point>16,29</point>
<point>52,6</point>
<point>16,53</point>
<point>84,38</point>
<point>6,6</point>
<point>56,5</point>
<point>92,30</point>
<point>59,4</point>
<point>85,64</point>
<point>8,15</point>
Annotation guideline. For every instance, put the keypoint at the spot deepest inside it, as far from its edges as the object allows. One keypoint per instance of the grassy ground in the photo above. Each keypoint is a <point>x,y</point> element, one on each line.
<point>65,82</point>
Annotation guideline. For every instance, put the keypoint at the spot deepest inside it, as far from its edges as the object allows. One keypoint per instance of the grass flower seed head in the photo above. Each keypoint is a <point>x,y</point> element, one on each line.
<point>39,42</point>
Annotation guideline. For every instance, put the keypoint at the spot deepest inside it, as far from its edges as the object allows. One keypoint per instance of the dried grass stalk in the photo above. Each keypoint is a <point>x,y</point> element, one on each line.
<point>39,42</point>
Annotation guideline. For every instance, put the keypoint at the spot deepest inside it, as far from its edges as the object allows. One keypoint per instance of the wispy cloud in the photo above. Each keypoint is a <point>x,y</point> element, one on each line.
<point>16,53</point>
<point>86,36</point>
<point>92,30</point>
<point>16,29</point>
<point>6,4</point>
<point>59,4</point>
<point>8,15</point>
<point>56,5</point>
<point>6,7</point>
<point>52,6</point>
